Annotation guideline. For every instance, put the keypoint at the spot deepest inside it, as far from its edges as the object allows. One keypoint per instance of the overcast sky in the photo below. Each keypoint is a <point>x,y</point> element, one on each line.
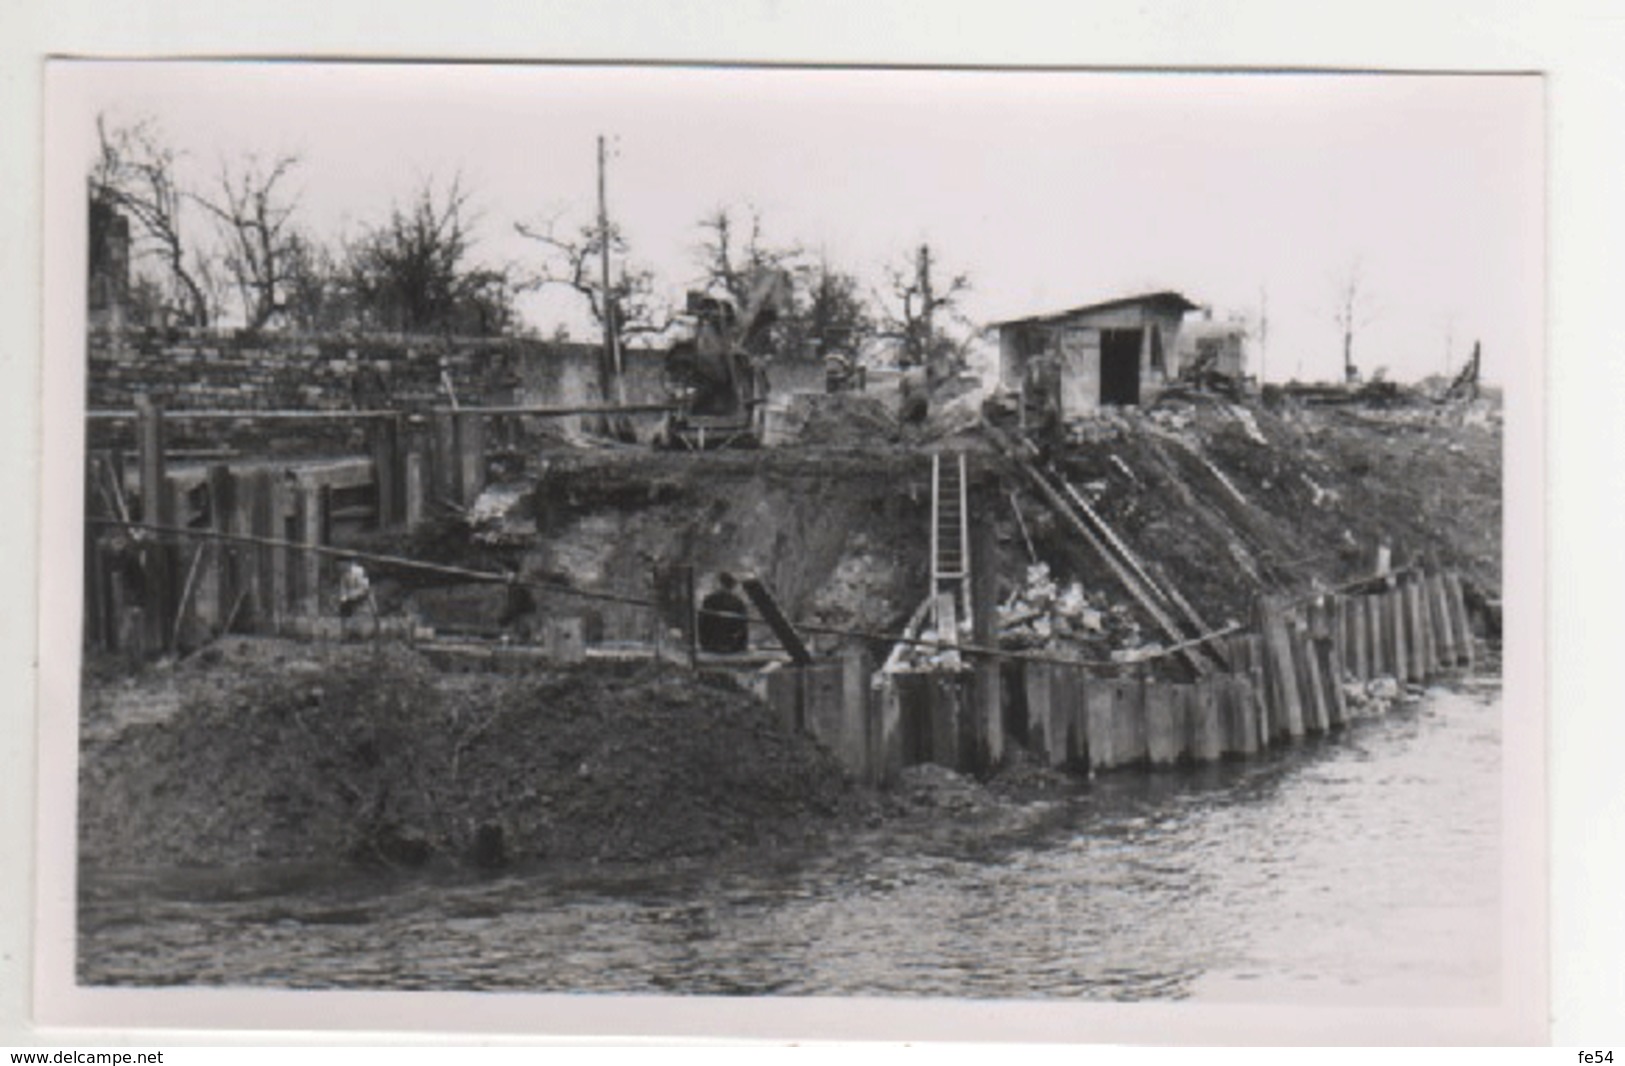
<point>1049,189</point>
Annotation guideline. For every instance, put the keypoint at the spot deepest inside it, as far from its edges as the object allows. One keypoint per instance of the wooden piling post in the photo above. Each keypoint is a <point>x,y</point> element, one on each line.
<point>1440,612</point>
<point>1458,605</point>
<point>1259,676</point>
<point>1424,622</point>
<point>1206,743</point>
<point>989,689</point>
<point>215,593</point>
<point>244,559</point>
<point>157,597</point>
<point>1036,682</point>
<point>311,522</point>
<point>260,525</point>
<point>1164,723</point>
<point>1357,661</point>
<point>1099,727</point>
<point>1317,716</point>
<point>1376,640</point>
<point>386,474</point>
<point>446,467</point>
<point>1286,700</point>
<point>855,714</point>
<point>888,731</point>
<point>1416,662</point>
<point>414,489</point>
<point>1128,720</point>
<point>1394,623</point>
<point>946,709</point>
<point>1243,700</point>
<point>470,455</point>
<point>282,582</point>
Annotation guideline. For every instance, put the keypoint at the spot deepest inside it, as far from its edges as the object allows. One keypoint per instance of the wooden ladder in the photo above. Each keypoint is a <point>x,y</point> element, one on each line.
<point>950,547</point>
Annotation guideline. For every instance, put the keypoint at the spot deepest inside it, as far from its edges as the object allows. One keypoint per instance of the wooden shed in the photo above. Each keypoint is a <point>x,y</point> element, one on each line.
<point>1120,352</point>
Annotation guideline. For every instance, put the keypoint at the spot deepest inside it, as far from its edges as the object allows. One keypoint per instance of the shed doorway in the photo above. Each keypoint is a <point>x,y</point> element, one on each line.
<point>1120,366</point>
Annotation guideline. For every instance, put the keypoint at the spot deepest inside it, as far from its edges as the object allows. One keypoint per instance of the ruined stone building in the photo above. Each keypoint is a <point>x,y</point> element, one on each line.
<point>1120,352</point>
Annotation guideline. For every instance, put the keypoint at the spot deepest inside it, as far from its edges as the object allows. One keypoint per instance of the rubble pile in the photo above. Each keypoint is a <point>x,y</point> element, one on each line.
<point>1043,615</point>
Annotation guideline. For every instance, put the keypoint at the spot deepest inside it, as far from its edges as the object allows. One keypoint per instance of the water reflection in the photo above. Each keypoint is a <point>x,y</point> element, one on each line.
<point>1366,865</point>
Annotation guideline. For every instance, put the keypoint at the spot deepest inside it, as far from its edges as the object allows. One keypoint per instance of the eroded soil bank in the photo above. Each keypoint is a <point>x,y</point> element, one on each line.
<point>265,751</point>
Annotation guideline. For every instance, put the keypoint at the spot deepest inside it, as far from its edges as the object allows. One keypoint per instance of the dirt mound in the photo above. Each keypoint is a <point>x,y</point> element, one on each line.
<point>851,419</point>
<point>370,754</point>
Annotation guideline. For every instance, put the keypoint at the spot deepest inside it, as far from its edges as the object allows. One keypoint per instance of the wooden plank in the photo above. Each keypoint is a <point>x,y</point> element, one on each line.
<point>769,609</point>
<point>1121,572</point>
<point>1165,588</point>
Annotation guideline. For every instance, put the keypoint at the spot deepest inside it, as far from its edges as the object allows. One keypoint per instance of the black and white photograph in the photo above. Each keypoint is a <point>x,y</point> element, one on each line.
<point>735,537</point>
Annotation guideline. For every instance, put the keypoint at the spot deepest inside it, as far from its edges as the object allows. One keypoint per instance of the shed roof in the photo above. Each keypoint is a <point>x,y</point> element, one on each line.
<point>1167,299</point>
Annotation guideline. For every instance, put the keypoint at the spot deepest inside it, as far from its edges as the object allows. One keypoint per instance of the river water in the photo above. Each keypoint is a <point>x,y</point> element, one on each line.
<point>1363,868</point>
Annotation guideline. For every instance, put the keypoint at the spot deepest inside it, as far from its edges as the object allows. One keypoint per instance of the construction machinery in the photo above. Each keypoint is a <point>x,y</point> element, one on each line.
<point>720,385</point>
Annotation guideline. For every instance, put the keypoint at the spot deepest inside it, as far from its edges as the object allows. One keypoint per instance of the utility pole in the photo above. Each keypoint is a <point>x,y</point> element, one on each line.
<point>923,280</point>
<point>612,346</point>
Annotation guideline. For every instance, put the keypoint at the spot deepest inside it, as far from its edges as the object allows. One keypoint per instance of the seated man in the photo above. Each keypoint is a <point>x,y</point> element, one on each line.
<point>722,626</point>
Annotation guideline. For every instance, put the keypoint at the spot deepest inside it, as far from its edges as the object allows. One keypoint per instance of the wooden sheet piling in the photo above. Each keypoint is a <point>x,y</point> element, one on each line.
<point>1164,722</point>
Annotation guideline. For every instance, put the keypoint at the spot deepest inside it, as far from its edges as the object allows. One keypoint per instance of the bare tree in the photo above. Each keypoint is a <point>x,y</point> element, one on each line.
<point>1353,312</point>
<point>734,253</point>
<point>825,311</point>
<point>254,222</point>
<point>413,272</point>
<point>135,172</point>
<point>838,319</point>
<point>916,310</point>
<point>631,307</point>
